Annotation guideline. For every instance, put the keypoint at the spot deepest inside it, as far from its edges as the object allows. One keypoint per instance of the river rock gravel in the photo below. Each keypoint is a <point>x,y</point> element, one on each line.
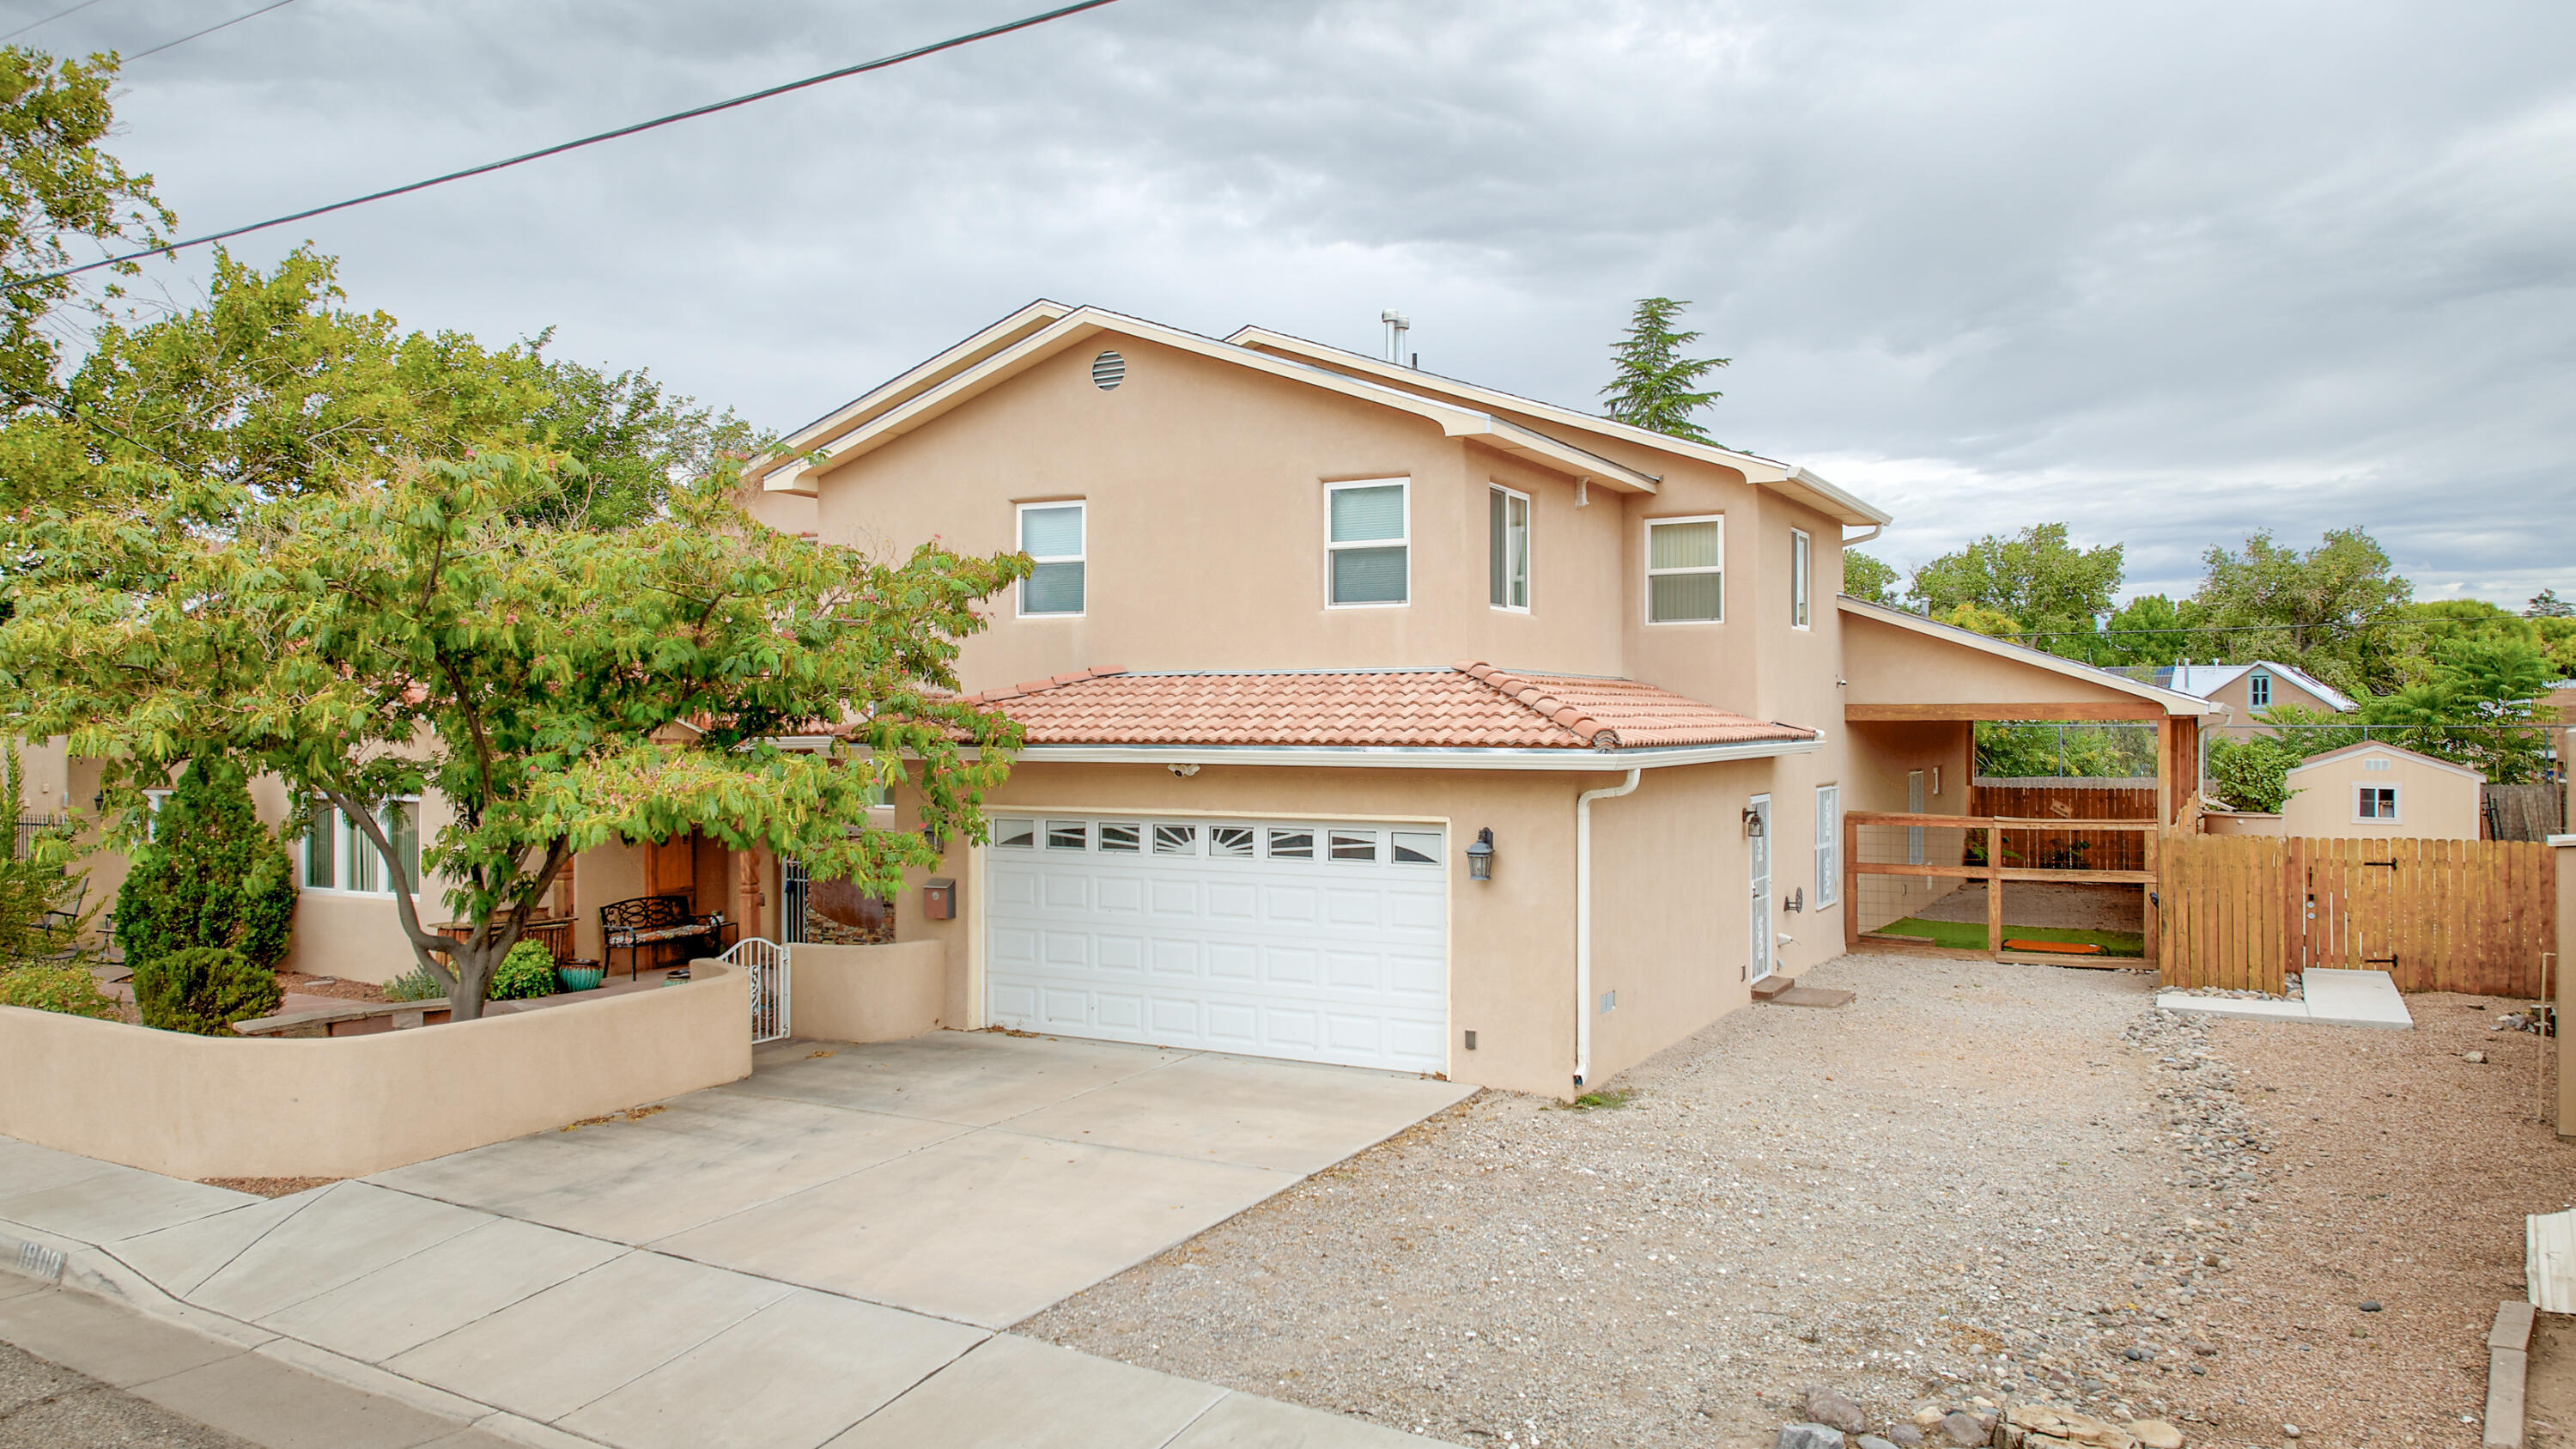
<point>1978,1184</point>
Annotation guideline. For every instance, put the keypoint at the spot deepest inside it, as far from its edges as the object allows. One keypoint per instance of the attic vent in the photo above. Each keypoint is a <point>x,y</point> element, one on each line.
<point>1108,370</point>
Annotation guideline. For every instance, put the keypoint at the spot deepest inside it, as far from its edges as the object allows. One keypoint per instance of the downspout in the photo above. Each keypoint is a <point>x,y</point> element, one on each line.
<point>1583,917</point>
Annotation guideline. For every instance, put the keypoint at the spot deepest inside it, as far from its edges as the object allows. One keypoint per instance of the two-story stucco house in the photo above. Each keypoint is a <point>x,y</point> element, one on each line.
<point>1378,718</point>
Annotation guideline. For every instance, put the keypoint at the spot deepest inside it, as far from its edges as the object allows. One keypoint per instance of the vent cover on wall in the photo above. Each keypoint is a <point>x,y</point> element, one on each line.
<point>1108,370</point>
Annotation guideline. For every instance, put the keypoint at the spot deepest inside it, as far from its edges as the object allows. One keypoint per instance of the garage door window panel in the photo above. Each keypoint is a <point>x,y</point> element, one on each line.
<point>1068,835</point>
<point>1416,847</point>
<point>1015,834</point>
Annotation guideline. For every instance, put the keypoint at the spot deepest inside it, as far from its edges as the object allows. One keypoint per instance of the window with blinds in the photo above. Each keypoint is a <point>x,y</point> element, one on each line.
<point>1051,534</point>
<point>1685,570</point>
<point>338,856</point>
<point>1801,555</point>
<point>1368,546</point>
<point>1829,844</point>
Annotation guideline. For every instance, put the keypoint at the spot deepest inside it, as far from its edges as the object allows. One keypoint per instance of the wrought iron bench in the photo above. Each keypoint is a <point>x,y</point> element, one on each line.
<point>648,921</point>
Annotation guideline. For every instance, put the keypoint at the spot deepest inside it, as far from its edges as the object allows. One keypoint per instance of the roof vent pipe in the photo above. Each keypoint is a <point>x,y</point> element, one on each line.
<point>1397,324</point>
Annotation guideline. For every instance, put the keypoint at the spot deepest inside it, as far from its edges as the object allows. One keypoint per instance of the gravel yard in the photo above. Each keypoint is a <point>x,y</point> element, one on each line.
<point>1977,1181</point>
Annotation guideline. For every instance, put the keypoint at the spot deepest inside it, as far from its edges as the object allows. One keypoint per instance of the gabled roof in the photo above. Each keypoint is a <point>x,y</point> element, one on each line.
<point>2207,679</point>
<point>1471,706</point>
<point>2172,701</point>
<point>1771,472</point>
<point>2382,747</point>
<point>1043,329</point>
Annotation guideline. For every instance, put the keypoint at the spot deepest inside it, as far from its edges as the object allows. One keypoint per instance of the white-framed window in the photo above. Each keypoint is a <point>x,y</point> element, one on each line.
<point>153,800</point>
<point>338,856</point>
<point>1508,549</point>
<point>1829,845</point>
<point>1801,568</point>
<point>1051,534</point>
<point>1685,570</point>
<point>1368,543</point>
<point>2375,803</point>
<point>2258,690</point>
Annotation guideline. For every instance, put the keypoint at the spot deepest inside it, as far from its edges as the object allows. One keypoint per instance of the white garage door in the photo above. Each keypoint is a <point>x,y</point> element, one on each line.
<point>1279,938</point>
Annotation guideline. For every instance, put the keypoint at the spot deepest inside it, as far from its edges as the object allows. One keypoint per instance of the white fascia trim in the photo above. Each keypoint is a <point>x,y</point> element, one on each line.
<point>2174,701</point>
<point>1753,465</point>
<point>1454,421</point>
<point>959,354</point>
<point>1393,757</point>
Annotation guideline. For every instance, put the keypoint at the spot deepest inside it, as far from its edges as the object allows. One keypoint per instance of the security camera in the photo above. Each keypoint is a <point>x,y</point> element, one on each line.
<point>1183,771</point>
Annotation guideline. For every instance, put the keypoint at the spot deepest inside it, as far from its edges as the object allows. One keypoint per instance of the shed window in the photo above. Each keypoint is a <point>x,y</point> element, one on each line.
<point>1685,570</point>
<point>1051,534</point>
<point>1370,557</point>
<point>2376,803</point>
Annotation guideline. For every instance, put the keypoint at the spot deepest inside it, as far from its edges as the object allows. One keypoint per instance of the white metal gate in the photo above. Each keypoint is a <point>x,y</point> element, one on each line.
<point>765,961</point>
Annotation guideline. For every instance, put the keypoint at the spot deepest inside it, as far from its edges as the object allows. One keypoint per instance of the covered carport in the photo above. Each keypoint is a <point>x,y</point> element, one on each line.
<point>1914,692</point>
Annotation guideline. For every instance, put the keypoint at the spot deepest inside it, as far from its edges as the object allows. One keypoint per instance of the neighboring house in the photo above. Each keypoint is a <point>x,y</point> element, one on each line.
<point>1310,631</point>
<point>2246,690</point>
<point>2370,791</point>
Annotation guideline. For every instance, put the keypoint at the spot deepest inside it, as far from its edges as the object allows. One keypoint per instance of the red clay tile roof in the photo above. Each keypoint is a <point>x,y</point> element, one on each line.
<point>1472,705</point>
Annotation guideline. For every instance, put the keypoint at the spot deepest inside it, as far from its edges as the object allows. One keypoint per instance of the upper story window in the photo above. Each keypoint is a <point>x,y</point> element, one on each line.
<point>1685,570</point>
<point>1508,548</point>
<point>2258,690</point>
<point>1802,553</point>
<point>1369,543</point>
<point>1051,534</point>
<point>338,856</point>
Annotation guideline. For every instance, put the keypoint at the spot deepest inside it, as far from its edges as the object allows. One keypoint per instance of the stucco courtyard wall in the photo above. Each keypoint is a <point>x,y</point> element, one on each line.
<point>871,993</point>
<point>196,1107</point>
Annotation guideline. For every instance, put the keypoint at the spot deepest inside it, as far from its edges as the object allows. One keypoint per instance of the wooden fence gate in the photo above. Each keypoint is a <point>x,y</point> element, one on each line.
<point>2242,912</point>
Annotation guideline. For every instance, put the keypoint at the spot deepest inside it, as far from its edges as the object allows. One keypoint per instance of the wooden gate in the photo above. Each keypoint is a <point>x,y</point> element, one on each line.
<point>2472,916</point>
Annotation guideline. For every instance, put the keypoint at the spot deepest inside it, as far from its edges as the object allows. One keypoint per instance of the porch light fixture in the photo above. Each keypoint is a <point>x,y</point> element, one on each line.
<point>1752,823</point>
<point>1480,856</point>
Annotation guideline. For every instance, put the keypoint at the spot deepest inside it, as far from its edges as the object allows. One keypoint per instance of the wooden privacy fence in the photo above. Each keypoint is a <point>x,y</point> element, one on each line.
<point>2242,912</point>
<point>2068,845</point>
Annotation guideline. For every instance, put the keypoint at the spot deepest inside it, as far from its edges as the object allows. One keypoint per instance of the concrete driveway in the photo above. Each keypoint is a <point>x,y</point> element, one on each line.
<point>971,1176</point>
<point>818,1254</point>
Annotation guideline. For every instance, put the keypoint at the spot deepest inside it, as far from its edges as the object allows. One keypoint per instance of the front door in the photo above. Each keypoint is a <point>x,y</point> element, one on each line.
<point>1760,840</point>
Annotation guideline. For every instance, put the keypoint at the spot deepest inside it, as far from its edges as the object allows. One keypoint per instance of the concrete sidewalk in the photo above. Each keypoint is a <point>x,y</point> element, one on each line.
<point>818,1256</point>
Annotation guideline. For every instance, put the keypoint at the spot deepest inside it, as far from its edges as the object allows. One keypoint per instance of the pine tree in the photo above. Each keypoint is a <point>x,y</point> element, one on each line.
<point>211,876</point>
<point>1651,384</point>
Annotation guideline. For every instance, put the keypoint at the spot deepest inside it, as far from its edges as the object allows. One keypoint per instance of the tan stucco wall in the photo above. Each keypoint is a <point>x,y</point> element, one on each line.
<point>871,993</point>
<point>2236,695</point>
<point>1671,899</point>
<point>193,1106</point>
<point>2564,848</point>
<point>2432,803</point>
<point>1889,664</point>
<point>1883,755</point>
<point>1511,939</point>
<point>44,785</point>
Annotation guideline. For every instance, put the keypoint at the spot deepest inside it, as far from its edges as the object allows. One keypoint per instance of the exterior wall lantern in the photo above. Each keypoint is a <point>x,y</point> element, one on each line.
<point>1480,856</point>
<point>1752,822</point>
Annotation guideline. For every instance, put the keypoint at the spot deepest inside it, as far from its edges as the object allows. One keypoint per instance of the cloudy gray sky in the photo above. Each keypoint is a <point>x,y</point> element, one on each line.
<point>2169,272</point>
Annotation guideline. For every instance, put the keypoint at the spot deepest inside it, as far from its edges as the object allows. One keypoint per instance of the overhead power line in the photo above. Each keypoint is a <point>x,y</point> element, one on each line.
<point>48,20</point>
<point>881,63</point>
<point>211,29</point>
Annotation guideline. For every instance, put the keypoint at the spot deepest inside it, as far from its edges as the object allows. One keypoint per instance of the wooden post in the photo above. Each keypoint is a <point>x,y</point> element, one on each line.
<point>1994,886</point>
<point>2164,771</point>
<point>1851,884</point>
<point>2148,895</point>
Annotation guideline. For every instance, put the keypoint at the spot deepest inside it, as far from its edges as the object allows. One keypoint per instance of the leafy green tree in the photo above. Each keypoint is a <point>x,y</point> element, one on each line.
<point>2252,773</point>
<point>2046,748</point>
<point>1978,619</point>
<point>1652,386</point>
<point>276,385</point>
<point>61,200</point>
<point>1865,577</point>
<point>2337,611</point>
<point>2442,621</point>
<point>2151,630</point>
<point>2547,605</point>
<point>2479,707</point>
<point>410,632</point>
<point>633,437</point>
<point>209,874</point>
<point>2056,590</point>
